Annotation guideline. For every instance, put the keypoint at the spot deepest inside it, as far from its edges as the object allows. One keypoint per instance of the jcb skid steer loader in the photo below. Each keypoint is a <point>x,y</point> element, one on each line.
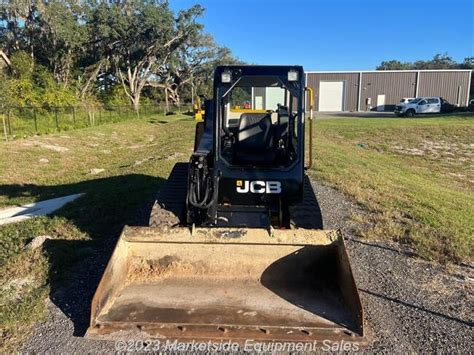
<point>237,254</point>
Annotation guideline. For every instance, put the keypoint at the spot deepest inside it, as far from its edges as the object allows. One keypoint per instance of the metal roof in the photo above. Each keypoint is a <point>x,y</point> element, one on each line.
<point>385,71</point>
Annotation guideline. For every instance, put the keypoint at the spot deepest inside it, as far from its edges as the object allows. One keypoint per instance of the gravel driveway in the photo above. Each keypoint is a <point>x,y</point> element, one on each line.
<point>410,305</point>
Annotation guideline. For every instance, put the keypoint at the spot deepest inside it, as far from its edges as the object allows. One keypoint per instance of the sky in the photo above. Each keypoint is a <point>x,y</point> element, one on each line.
<point>338,34</point>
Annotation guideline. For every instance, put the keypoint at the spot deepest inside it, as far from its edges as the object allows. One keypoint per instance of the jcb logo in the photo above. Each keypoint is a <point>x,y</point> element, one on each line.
<point>258,187</point>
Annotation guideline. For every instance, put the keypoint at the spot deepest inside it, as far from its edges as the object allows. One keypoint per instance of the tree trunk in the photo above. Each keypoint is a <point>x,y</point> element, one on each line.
<point>5,58</point>
<point>167,104</point>
<point>136,103</point>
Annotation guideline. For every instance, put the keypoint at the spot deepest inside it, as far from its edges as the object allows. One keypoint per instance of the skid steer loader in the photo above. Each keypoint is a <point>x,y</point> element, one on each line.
<point>235,248</point>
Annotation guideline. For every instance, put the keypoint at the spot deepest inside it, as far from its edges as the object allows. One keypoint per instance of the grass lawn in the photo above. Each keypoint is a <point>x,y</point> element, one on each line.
<point>414,177</point>
<point>136,155</point>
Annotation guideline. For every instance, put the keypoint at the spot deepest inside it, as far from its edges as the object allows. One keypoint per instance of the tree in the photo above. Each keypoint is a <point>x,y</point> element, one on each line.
<point>203,79</point>
<point>59,37</point>
<point>18,89</point>
<point>91,48</point>
<point>139,40</point>
<point>439,61</point>
<point>394,65</point>
<point>52,32</point>
<point>16,26</point>
<point>185,66</point>
<point>468,63</point>
<point>5,59</point>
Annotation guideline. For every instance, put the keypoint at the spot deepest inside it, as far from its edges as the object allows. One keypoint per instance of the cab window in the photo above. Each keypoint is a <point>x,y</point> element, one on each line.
<point>241,98</point>
<point>422,102</point>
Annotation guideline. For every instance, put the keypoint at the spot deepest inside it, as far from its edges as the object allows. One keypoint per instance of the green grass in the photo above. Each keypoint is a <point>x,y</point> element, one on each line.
<point>414,175</point>
<point>21,123</point>
<point>137,156</point>
<point>413,178</point>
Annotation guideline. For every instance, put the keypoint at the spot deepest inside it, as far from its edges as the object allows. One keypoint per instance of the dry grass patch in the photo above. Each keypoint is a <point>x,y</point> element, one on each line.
<point>401,171</point>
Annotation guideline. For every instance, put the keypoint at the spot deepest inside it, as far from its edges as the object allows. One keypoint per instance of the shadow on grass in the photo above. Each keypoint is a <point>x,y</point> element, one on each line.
<point>76,266</point>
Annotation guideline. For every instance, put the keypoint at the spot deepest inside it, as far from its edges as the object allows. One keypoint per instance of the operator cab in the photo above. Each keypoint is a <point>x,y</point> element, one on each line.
<point>258,123</point>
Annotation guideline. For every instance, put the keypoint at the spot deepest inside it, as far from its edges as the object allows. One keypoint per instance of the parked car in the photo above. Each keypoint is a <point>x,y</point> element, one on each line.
<point>470,108</point>
<point>423,105</point>
<point>447,107</point>
<point>406,100</point>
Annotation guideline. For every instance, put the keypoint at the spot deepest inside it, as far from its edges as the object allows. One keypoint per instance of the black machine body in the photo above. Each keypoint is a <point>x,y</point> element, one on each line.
<point>248,162</point>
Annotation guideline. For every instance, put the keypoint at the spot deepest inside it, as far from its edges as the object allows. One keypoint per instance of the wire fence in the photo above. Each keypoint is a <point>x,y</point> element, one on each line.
<point>19,122</point>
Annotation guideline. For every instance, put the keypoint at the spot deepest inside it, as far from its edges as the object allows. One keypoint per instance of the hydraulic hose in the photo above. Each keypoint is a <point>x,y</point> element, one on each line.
<point>201,186</point>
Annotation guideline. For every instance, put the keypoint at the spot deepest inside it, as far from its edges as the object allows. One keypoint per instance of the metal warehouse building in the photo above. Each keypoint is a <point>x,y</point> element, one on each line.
<point>382,90</point>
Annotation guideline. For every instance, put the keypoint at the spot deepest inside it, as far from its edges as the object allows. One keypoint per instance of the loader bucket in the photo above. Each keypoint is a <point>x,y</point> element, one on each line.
<point>228,284</point>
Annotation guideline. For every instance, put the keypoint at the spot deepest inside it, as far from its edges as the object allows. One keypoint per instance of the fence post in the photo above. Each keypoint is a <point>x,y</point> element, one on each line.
<point>4,127</point>
<point>56,118</point>
<point>100,116</point>
<point>74,116</point>
<point>36,122</point>
<point>9,123</point>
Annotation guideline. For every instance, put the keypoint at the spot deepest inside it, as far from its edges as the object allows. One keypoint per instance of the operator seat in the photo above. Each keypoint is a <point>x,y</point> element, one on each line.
<point>281,129</point>
<point>254,142</point>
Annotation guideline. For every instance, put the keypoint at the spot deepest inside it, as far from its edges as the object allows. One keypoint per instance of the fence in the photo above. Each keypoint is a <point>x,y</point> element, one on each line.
<point>20,122</point>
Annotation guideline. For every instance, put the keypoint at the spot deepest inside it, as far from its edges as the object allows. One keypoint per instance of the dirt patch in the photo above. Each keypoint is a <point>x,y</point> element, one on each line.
<point>37,242</point>
<point>437,149</point>
<point>456,159</point>
<point>140,162</point>
<point>96,171</point>
<point>409,151</point>
<point>174,156</point>
<point>53,147</point>
<point>148,270</point>
<point>14,289</point>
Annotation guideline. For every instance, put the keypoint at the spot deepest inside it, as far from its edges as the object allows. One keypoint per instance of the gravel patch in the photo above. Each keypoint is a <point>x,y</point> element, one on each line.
<point>410,305</point>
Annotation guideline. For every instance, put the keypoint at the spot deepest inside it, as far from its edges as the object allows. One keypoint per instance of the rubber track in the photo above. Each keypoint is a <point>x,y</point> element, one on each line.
<point>307,214</point>
<point>168,209</point>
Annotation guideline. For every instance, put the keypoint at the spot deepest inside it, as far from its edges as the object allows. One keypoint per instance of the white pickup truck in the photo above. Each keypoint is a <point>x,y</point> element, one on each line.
<point>419,105</point>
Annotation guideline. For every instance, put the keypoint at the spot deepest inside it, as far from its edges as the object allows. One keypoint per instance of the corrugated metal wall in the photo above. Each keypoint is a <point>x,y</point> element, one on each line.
<point>351,83</point>
<point>393,85</point>
<point>259,91</point>
<point>451,85</point>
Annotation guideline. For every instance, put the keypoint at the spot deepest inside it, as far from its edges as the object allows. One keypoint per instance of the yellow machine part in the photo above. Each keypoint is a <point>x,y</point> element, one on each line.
<point>228,284</point>
<point>249,110</point>
<point>198,111</point>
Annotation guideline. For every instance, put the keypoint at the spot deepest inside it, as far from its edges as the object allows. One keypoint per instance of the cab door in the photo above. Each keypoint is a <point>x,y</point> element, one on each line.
<point>422,107</point>
<point>434,105</point>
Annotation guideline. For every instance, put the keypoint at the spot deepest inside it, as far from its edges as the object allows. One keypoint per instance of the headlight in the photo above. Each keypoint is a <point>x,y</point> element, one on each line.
<point>292,75</point>
<point>226,77</point>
